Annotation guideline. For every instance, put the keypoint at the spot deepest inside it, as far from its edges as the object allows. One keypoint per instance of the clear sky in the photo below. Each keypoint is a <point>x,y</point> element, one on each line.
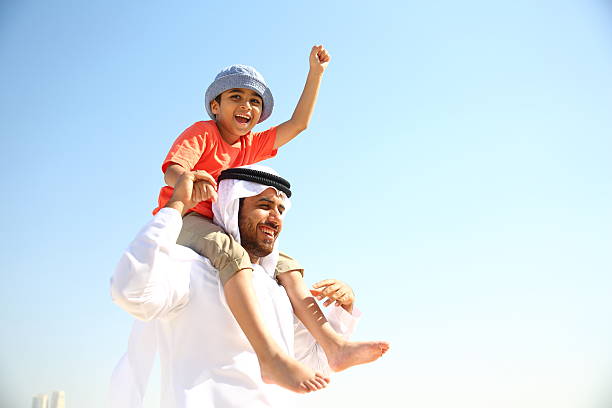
<point>457,173</point>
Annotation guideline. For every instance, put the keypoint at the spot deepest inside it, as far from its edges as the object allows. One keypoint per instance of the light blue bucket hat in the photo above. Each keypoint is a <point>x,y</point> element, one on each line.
<point>240,76</point>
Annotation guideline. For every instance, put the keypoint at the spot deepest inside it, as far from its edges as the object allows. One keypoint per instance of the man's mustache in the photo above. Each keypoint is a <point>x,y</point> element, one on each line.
<point>271,224</point>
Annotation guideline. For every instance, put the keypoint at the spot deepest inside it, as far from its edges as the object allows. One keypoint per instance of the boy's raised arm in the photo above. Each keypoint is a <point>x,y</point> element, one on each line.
<point>319,59</point>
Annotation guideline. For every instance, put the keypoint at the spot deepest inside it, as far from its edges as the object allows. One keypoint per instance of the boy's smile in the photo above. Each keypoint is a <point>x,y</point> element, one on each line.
<point>237,112</point>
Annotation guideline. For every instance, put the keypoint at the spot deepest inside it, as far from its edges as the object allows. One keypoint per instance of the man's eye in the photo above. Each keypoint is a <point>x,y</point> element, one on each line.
<point>255,101</point>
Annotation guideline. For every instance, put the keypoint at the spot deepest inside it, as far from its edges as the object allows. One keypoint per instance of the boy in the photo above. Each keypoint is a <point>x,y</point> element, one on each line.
<point>237,100</point>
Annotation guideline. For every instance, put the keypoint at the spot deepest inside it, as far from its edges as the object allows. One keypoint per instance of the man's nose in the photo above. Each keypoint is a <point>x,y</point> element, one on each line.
<point>274,215</point>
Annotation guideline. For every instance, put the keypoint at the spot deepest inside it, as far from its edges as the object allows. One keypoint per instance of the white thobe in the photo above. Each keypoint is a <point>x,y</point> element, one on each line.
<point>206,360</point>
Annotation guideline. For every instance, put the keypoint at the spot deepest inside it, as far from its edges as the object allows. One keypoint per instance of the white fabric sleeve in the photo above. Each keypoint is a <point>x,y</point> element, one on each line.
<point>131,375</point>
<point>152,280</point>
<point>309,352</point>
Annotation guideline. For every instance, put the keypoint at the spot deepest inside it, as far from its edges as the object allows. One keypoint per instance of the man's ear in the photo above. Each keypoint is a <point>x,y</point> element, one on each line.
<point>214,107</point>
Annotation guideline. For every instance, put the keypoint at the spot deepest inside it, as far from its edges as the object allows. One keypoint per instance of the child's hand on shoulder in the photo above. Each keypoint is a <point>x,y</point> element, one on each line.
<point>319,59</point>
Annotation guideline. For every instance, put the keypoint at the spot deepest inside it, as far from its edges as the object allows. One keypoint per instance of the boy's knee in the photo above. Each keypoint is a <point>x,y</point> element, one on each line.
<point>287,264</point>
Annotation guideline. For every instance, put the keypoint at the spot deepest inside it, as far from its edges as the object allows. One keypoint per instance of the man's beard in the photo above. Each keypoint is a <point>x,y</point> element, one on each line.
<point>249,241</point>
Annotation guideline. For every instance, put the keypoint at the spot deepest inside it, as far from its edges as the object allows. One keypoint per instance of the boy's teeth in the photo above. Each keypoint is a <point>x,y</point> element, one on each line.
<point>242,118</point>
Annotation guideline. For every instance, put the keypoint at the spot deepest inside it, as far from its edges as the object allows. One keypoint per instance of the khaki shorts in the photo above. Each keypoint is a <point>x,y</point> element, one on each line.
<point>225,254</point>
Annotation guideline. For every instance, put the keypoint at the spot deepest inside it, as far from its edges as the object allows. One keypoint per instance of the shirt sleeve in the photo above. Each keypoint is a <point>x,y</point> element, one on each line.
<point>262,145</point>
<point>188,148</point>
<point>309,352</point>
<point>149,282</point>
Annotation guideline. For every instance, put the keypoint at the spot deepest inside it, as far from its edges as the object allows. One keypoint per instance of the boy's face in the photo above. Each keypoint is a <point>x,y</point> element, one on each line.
<point>238,111</point>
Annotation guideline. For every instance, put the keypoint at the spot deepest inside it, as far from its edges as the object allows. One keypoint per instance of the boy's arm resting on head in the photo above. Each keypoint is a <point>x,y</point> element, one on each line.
<point>319,59</point>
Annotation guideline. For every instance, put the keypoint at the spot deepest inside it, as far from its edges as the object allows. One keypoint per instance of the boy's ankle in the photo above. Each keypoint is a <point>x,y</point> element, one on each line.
<point>334,345</point>
<point>271,355</point>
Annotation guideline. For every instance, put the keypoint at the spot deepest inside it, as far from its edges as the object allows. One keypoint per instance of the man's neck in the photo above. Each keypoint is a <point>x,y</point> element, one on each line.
<point>254,259</point>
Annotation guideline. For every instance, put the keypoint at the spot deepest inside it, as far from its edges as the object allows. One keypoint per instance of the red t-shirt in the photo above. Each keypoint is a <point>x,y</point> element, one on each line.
<point>200,147</point>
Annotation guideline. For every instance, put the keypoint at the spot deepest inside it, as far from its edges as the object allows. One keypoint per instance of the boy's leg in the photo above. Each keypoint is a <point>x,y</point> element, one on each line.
<point>341,354</point>
<point>209,240</point>
<point>235,273</point>
<point>286,263</point>
<point>276,366</point>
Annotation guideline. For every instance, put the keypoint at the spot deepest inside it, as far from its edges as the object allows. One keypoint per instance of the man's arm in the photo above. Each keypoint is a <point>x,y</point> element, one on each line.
<point>201,186</point>
<point>149,282</point>
<point>319,59</point>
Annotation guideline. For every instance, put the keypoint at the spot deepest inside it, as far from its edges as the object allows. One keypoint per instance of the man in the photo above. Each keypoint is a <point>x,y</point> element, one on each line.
<point>206,360</point>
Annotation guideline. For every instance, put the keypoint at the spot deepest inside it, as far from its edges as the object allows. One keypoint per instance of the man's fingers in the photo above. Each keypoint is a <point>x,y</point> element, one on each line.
<point>325,282</point>
<point>213,194</point>
<point>330,289</point>
<point>209,192</point>
<point>203,190</point>
<point>317,294</point>
<point>201,175</point>
<point>338,295</point>
<point>197,193</point>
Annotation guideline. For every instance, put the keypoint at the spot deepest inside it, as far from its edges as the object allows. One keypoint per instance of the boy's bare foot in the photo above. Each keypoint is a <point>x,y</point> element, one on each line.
<point>352,353</point>
<point>292,375</point>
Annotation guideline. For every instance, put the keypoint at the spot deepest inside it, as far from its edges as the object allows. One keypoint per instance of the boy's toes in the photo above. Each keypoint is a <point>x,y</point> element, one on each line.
<point>321,377</point>
<point>321,382</point>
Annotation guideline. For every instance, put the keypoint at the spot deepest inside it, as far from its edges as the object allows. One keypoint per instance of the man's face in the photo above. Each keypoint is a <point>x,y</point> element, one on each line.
<point>259,221</point>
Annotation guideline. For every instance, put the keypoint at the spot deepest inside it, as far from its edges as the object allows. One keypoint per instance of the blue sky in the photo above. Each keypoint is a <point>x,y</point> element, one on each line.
<point>456,173</point>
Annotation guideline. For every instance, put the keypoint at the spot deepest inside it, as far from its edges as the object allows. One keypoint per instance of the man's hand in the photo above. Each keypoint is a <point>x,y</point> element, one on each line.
<point>335,291</point>
<point>319,59</point>
<point>204,190</point>
<point>187,193</point>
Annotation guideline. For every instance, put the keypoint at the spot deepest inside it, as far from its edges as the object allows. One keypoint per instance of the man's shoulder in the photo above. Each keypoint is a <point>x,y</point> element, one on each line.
<point>183,253</point>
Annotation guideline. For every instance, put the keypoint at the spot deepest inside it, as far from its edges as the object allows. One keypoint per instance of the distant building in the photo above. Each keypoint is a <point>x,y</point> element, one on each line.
<point>55,399</point>
<point>40,401</point>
